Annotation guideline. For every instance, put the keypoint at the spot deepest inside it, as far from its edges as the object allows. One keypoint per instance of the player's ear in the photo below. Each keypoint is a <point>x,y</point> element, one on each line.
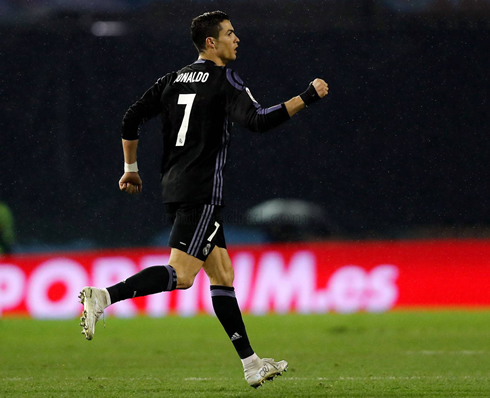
<point>211,42</point>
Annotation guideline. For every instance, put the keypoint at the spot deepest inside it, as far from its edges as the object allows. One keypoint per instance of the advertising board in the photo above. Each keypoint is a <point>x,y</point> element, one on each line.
<point>302,278</point>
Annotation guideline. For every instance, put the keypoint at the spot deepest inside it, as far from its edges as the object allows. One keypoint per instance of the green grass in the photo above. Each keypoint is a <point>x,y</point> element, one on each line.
<point>397,354</point>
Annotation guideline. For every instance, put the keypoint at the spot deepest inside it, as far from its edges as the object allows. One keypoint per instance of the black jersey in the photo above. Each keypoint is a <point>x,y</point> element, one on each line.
<point>197,105</point>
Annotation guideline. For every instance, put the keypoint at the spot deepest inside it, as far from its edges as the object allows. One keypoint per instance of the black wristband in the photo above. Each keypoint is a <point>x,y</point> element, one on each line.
<point>309,95</point>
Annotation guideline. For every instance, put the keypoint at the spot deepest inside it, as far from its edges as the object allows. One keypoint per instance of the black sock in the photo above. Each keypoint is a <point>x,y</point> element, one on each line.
<point>151,280</point>
<point>226,308</point>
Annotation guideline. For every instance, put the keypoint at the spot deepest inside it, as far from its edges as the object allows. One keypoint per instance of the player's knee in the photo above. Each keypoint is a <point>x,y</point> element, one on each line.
<point>185,281</point>
<point>225,278</point>
<point>228,277</point>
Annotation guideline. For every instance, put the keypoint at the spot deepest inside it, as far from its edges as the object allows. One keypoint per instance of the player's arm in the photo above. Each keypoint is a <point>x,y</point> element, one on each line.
<point>147,107</point>
<point>144,109</point>
<point>315,91</point>
<point>130,182</point>
<point>250,114</point>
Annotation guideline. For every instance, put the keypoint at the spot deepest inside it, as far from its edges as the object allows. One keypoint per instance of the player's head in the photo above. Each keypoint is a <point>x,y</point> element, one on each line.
<point>213,33</point>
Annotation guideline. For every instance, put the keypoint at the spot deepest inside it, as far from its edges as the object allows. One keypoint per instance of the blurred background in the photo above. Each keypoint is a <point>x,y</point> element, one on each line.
<point>399,150</point>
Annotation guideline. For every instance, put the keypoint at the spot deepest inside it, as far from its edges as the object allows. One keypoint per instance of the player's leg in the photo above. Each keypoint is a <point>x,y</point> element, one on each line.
<point>159,278</point>
<point>189,251</point>
<point>220,272</point>
<point>151,280</point>
<point>148,281</point>
<point>219,269</point>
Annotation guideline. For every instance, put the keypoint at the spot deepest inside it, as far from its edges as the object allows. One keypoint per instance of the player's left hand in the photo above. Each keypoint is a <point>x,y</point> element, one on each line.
<point>131,183</point>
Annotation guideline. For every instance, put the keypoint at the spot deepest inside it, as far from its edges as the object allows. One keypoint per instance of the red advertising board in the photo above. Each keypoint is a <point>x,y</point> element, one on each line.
<point>305,278</point>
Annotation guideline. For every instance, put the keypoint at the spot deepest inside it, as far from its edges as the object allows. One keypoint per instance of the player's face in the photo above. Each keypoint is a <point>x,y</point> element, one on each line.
<point>227,43</point>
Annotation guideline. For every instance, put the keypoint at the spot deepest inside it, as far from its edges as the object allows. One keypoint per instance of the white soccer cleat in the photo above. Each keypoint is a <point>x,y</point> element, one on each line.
<point>264,369</point>
<point>94,302</point>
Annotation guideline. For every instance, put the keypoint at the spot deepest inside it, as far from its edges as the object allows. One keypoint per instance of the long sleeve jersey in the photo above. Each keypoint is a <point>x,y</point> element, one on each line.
<point>197,105</point>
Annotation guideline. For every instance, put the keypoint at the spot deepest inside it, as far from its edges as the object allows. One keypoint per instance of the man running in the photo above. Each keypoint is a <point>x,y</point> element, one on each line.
<point>197,104</point>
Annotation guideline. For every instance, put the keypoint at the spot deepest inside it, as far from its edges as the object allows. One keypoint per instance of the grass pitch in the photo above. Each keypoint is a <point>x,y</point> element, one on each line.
<point>396,354</point>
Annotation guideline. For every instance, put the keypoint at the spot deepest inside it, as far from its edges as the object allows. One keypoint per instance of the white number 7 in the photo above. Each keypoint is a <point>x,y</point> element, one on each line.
<point>187,100</point>
<point>214,233</point>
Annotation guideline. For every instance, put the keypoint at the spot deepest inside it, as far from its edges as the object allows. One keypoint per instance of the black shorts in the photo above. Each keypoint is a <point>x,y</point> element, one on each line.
<point>197,228</point>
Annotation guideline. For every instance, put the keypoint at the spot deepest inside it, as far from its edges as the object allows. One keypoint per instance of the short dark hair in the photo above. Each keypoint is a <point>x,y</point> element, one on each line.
<point>206,25</point>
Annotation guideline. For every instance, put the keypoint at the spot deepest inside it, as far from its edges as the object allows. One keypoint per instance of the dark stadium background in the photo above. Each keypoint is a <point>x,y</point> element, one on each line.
<point>398,150</point>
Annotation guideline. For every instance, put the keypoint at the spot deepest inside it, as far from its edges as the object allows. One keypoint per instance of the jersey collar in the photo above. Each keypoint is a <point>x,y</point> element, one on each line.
<point>204,61</point>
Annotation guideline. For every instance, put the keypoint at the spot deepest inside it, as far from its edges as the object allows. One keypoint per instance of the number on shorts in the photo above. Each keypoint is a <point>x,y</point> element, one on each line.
<point>187,100</point>
<point>214,233</point>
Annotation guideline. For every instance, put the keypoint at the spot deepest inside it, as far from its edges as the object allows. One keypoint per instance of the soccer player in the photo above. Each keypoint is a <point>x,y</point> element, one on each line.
<point>197,104</point>
<point>7,235</point>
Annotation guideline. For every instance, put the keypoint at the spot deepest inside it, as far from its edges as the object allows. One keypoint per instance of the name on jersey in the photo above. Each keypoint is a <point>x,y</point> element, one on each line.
<point>192,77</point>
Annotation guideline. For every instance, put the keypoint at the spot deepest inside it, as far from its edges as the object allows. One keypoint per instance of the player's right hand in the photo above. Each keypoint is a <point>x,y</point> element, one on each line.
<point>321,87</point>
<point>131,183</point>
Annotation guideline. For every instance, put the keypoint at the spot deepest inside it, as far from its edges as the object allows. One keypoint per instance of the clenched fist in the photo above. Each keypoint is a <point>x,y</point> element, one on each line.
<point>321,87</point>
<point>131,183</point>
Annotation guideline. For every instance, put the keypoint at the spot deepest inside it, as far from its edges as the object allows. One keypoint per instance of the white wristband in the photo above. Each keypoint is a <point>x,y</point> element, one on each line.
<point>131,167</point>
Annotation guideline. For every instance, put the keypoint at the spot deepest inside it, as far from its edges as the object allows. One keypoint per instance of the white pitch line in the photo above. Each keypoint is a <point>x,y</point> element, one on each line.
<point>459,352</point>
<point>90,378</point>
<point>283,379</point>
<point>343,378</point>
<point>349,378</point>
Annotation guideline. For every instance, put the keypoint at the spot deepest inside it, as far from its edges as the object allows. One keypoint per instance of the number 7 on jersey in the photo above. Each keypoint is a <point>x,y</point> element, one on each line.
<point>187,100</point>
